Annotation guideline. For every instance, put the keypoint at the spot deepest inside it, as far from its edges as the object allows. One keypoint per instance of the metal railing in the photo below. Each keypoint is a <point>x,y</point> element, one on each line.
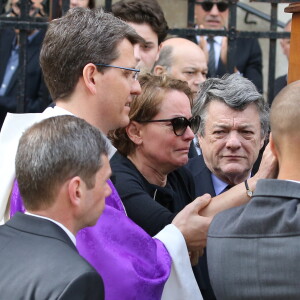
<point>232,33</point>
<point>52,9</point>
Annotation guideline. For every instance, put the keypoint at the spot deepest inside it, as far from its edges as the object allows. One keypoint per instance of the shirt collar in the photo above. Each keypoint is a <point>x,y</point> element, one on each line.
<point>220,185</point>
<point>218,39</point>
<point>64,228</point>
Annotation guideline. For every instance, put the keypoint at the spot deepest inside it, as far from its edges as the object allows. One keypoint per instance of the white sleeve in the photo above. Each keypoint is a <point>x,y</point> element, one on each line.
<point>181,283</point>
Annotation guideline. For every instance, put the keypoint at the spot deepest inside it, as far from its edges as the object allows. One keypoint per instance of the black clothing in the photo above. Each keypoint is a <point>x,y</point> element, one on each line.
<point>279,84</point>
<point>150,206</point>
<point>36,94</point>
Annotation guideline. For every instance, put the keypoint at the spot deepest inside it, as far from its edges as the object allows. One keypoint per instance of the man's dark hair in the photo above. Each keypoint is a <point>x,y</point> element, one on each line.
<point>143,11</point>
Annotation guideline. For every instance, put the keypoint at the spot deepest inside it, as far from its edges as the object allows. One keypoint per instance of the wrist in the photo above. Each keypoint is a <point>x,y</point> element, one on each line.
<point>249,191</point>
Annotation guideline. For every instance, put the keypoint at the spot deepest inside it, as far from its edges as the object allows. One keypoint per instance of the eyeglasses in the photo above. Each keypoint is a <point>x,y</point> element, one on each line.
<point>180,124</point>
<point>208,5</point>
<point>136,71</point>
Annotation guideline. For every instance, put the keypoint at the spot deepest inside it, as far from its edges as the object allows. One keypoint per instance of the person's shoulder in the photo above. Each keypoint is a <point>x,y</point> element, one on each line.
<point>181,177</point>
<point>196,164</point>
<point>86,285</point>
<point>224,223</point>
<point>119,161</point>
<point>124,173</point>
<point>249,44</point>
<point>122,165</point>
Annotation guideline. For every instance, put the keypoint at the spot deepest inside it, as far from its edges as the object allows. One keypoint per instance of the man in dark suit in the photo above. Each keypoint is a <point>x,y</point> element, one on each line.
<point>253,250</point>
<point>234,124</point>
<point>248,55</point>
<point>63,191</point>
<point>36,96</point>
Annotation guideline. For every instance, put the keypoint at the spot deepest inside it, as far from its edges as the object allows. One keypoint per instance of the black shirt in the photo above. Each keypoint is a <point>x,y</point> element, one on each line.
<point>150,206</point>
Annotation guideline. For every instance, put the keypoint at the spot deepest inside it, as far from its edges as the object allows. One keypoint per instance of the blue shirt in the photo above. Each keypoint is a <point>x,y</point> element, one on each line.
<point>13,63</point>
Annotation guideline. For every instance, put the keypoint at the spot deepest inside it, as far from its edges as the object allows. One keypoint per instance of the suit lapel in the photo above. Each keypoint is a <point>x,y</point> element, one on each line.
<point>202,176</point>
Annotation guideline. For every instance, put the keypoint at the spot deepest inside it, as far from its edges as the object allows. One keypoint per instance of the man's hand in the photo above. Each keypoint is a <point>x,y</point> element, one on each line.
<point>193,226</point>
<point>224,49</point>
<point>224,53</point>
<point>268,167</point>
<point>194,257</point>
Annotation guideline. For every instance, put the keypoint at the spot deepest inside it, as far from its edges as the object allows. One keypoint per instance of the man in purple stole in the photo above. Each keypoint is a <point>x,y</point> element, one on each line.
<point>88,64</point>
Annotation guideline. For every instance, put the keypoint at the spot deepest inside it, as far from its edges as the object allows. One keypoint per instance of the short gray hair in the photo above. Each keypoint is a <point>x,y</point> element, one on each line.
<point>165,57</point>
<point>53,151</point>
<point>235,91</point>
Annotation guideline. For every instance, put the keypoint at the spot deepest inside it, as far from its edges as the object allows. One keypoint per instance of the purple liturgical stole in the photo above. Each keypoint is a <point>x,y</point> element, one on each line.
<point>132,264</point>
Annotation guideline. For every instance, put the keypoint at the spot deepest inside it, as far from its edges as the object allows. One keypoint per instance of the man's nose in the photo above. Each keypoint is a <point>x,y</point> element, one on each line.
<point>136,88</point>
<point>233,140</point>
<point>199,78</point>
<point>214,10</point>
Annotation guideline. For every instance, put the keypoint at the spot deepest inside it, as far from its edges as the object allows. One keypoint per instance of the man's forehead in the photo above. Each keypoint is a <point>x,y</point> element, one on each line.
<point>126,53</point>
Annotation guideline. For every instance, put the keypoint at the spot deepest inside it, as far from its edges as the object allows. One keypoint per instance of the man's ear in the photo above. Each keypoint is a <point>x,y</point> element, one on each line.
<point>133,131</point>
<point>89,72</point>
<point>273,146</point>
<point>159,70</point>
<point>76,191</point>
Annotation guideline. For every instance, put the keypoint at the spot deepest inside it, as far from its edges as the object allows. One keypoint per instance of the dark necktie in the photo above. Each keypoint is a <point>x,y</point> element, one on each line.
<point>211,57</point>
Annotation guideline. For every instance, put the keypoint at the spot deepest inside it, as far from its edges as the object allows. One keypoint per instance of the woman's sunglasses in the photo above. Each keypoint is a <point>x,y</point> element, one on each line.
<point>180,124</point>
<point>208,5</point>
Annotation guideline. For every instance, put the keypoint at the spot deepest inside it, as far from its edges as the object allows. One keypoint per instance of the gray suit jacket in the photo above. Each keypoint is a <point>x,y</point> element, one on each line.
<point>39,261</point>
<point>253,250</point>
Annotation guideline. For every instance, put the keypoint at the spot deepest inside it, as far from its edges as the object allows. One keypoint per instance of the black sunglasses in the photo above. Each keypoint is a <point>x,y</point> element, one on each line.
<point>180,124</point>
<point>208,5</point>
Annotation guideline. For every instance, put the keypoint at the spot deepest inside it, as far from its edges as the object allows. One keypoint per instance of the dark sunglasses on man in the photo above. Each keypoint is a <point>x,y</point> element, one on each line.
<point>208,5</point>
<point>180,124</point>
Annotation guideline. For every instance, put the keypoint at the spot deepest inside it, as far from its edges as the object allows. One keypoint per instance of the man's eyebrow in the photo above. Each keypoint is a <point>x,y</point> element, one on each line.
<point>147,43</point>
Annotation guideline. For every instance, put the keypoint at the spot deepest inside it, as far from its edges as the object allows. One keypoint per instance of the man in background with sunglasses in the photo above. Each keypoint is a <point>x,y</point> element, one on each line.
<point>234,125</point>
<point>248,55</point>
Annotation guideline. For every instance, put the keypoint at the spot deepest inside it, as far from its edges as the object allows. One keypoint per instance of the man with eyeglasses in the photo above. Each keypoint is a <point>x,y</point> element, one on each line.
<point>89,66</point>
<point>248,55</point>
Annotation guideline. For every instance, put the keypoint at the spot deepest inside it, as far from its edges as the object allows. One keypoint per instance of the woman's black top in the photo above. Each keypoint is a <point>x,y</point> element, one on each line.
<point>150,206</point>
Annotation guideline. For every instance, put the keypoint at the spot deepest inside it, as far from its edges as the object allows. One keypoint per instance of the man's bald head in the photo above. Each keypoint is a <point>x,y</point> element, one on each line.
<point>184,60</point>
<point>285,116</point>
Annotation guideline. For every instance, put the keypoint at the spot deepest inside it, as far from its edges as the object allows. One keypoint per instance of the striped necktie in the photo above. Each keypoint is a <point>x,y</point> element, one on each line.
<point>211,57</point>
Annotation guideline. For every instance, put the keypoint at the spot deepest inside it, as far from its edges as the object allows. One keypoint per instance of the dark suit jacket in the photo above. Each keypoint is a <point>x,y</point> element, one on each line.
<point>39,261</point>
<point>248,60</point>
<point>253,250</point>
<point>201,175</point>
<point>203,184</point>
<point>37,96</point>
<point>279,84</point>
